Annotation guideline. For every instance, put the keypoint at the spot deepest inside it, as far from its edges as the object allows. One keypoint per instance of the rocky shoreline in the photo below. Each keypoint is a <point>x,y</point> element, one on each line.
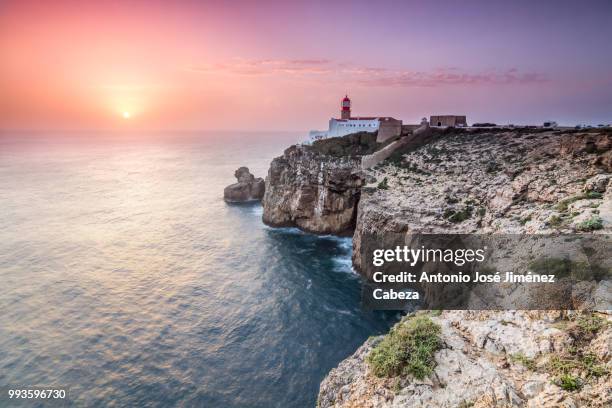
<point>524,181</point>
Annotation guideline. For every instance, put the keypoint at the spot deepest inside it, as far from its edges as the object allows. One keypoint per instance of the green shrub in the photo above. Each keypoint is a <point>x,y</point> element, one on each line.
<point>575,367</point>
<point>383,185</point>
<point>569,382</point>
<point>591,366</point>
<point>408,349</point>
<point>590,323</point>
<point>592,224</point>
<point>492,167</point>
<point>594,195</point>
<point>458,216</point>
<point>564,204</point>
<point>452,200</point>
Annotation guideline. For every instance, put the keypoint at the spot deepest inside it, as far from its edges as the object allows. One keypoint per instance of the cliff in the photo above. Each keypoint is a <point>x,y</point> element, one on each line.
<point>519,181</point>
<point>524,181</point>
<point>317,188</point>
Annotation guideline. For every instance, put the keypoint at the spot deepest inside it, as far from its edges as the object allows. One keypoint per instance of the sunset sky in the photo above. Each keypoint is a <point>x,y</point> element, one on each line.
<point>285,65</point>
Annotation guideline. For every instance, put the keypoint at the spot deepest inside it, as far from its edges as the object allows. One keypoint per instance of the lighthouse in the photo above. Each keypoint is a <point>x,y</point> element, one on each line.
<point>385,127</point>
<point>345,111</point>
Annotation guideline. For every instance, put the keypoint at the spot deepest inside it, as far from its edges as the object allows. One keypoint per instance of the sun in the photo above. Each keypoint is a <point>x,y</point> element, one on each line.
<point>126,115</point>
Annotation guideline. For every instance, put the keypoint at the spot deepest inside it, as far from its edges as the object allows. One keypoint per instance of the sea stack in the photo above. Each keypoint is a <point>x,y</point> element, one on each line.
<point>248,188</point>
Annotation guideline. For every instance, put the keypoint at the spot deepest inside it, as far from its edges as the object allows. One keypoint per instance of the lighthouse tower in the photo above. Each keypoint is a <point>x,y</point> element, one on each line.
<point>345,111</point>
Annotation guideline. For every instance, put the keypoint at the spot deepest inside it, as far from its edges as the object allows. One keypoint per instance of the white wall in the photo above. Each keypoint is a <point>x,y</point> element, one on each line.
<point>341,128</point>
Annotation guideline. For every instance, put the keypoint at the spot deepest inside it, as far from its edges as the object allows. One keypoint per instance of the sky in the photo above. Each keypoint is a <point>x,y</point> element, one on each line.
<point>285,65</point>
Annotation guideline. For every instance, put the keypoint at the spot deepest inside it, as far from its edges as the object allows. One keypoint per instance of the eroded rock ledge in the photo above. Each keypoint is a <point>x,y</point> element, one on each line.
<point>317,188</point>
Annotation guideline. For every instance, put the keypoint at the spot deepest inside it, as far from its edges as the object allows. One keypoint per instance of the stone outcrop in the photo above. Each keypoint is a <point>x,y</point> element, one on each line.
<point>500,182</point>
<point>248,188</point>
<point>317,187</point>
<point>313,191</point>
<point>488,359</point>
<point>521,181</point>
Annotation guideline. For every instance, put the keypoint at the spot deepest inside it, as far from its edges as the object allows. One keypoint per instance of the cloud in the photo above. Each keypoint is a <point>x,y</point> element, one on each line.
<point>270,67</point>
<point>329,70</point>
<point>449,76</point>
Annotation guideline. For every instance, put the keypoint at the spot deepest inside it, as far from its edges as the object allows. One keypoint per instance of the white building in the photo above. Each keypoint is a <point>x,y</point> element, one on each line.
<point>347,124</point>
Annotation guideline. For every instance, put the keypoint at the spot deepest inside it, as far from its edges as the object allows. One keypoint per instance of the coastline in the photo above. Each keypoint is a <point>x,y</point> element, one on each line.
<point>520,195</point>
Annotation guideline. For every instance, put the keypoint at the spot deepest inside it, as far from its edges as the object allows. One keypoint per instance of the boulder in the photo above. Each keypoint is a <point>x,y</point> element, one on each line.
<point>597,183</point>
<point>248,188</point>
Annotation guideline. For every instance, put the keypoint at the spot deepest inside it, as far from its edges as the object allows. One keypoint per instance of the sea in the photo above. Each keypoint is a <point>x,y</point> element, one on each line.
<point>128,281</point>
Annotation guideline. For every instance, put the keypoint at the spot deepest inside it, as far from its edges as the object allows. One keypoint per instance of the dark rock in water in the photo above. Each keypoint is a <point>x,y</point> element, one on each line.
<point>248,188</point>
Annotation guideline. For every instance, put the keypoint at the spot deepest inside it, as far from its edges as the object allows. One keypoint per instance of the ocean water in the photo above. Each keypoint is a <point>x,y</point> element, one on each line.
<point>126,278</point>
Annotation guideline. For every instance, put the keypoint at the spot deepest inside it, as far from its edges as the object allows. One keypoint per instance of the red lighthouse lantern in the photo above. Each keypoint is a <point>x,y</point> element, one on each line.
<point>345,111</point>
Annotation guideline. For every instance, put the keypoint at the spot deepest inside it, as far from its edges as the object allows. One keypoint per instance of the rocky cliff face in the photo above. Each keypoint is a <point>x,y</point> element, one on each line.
<point>519,181</point>
<point>317,188</point>
<point>491,182</point>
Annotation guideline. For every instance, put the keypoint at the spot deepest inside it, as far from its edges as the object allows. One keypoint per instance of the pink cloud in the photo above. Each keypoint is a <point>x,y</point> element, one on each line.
<point>329,70</point>
<point>452,76</point>
<point>270,66</point>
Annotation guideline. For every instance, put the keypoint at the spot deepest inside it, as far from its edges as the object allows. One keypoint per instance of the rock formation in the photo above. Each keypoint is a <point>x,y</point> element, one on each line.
<point>518,181</point>
<point>490,359</point>
<point>316,188</point>
<point>514,181</point>
<point>248,188</point>
<point>524,181</point>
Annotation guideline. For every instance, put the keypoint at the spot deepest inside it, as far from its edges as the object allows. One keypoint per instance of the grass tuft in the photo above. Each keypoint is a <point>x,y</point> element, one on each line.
<point>594,195</point>
<point>590,324</point>
<point>525,361</point>
<point>569,382</point>
<point>408,349</point>
<point>592,224</point>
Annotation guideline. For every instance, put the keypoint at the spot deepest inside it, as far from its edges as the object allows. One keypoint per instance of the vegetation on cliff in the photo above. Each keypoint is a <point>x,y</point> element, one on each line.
<point>408,349</point>
<point>355,144</point>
